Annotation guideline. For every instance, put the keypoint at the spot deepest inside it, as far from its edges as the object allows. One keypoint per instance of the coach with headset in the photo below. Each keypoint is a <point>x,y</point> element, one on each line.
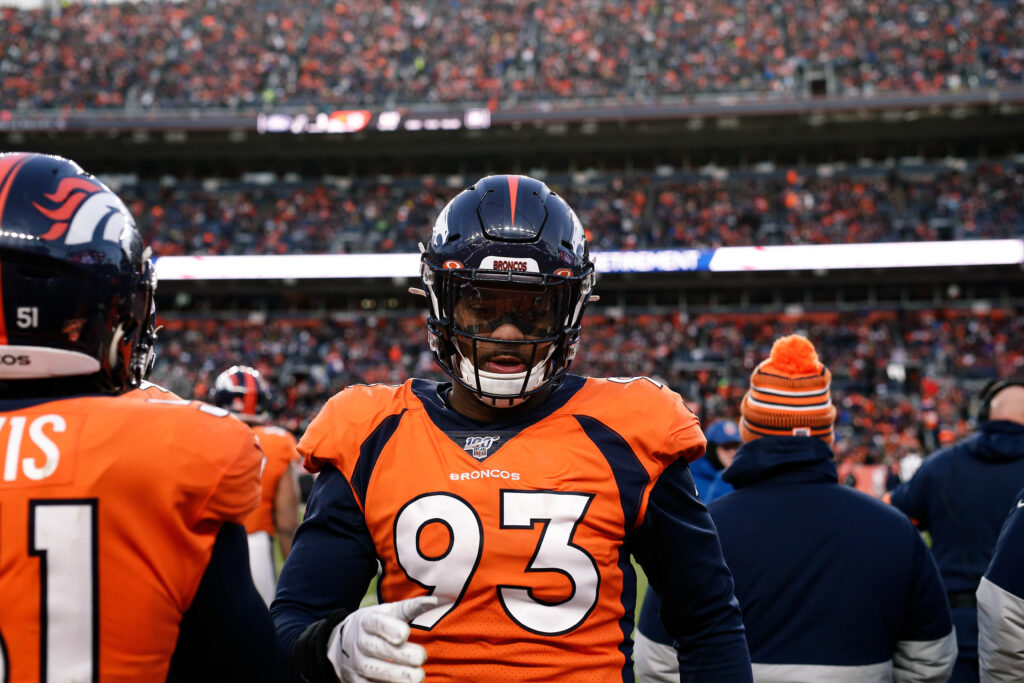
<point>960,495</point>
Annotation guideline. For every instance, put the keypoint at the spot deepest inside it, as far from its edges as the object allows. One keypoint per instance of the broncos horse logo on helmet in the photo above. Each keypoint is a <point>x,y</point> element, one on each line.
<point>76,284</point>
<point>507,249</point>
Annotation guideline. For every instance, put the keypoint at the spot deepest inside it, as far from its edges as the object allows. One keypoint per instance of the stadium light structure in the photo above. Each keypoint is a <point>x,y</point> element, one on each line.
<point>724,259</point>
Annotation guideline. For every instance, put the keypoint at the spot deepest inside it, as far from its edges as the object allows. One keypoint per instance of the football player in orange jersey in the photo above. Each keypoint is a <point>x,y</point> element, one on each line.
<point>245,393</point>
<point>122,551</point>
<point>503,506</point>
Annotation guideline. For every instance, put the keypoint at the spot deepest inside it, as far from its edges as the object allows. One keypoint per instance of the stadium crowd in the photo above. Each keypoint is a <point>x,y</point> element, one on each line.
<point>982,200</point>
<point>900,379</point>
<point>234,53</point>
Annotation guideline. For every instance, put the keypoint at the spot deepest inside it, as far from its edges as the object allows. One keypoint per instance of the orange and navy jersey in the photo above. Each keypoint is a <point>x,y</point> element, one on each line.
<point>524,528</point>
<point>109,510</point>
<point>278,445</point>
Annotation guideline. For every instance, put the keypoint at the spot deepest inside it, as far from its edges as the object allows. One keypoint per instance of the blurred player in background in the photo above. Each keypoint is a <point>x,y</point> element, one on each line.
<point>512,495</point>
<point>960,494</point>
<point>122,551</point>
<point>1001,604</point>
<point>245,393</point>
<point>834,585</point>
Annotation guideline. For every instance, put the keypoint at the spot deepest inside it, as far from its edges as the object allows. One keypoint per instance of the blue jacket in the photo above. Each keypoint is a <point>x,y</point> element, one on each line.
<point>709,480</point>
<point>960,495</point>
<point>834,585</point>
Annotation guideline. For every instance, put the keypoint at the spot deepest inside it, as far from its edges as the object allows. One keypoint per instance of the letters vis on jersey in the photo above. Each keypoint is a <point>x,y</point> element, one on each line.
<point>485,474</point>
<point>30,450</point>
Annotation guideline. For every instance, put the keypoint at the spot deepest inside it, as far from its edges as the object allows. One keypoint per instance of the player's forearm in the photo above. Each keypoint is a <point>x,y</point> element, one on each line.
<point>706,624</point>
<point>331,542</point>
<point>286,510</point>
<point>307,653</point>
<point>285,536</point>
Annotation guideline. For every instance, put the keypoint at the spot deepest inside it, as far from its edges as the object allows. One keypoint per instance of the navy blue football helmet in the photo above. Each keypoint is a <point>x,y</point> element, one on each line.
<point>76,280</point>
<point>514,251</point>
<point>243,391</point>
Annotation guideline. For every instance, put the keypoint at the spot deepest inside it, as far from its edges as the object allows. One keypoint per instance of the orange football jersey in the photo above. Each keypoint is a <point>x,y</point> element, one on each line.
<point>278,445</point>
<point>520,531</point>
<point>109,510</point>
<point>147,389</point>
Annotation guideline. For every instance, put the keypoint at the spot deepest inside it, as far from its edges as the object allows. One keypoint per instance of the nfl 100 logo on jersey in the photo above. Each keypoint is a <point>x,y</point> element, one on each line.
<point>480,446</point>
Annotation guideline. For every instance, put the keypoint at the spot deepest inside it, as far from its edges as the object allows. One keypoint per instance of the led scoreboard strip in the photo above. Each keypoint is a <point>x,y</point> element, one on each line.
<point>724,259</point>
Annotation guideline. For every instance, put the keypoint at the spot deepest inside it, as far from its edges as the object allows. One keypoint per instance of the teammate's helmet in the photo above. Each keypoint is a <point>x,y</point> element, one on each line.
<point>77,284</point>
<point>508,237</point>
<point>243,391</point>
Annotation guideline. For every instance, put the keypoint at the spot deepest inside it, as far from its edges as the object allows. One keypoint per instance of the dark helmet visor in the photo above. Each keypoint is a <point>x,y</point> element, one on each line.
<point>482,310</point>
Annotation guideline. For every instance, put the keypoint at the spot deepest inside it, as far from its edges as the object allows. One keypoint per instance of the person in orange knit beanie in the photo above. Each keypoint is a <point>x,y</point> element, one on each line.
<point>834,585</point>
<point>789,394</point>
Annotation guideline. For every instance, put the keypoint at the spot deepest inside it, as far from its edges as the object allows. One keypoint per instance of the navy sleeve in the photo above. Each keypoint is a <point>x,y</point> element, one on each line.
<point>678,547</point>
<point>1005,568</point>
<point>650,619</point>
<point>226,634</point>
<point>327,572</point>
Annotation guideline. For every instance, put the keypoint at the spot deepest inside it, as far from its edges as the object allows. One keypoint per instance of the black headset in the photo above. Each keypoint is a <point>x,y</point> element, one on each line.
<point>989,391</point>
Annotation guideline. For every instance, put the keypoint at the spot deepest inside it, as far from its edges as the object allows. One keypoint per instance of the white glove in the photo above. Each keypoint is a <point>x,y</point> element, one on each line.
<point>371,643</point>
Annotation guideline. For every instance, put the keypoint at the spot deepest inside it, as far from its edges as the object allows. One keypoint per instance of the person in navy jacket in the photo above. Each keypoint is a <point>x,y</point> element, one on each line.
<point>960,495</point>
<point>1001,603</point>
<point>723,439</point>
<point>834,585</point>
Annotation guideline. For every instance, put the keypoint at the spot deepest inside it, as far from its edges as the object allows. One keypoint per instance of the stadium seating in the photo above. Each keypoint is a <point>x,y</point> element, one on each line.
<point>980,199</point>
<point>242,54</point>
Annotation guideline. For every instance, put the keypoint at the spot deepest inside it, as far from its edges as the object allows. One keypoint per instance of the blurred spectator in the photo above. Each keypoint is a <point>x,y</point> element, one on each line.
<point>723,439</point>
<point>244,392</point>
<point>833,584</point>
<point>960,494</point>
